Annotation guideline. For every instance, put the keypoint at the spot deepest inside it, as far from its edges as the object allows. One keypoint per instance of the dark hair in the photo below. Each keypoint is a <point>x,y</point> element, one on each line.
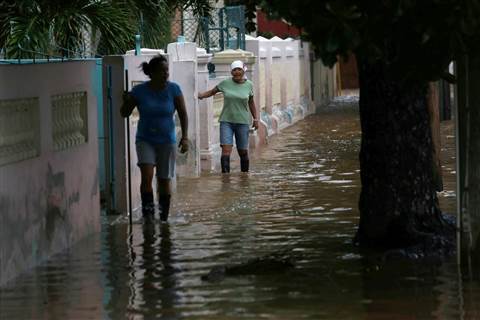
<point>149,67</point>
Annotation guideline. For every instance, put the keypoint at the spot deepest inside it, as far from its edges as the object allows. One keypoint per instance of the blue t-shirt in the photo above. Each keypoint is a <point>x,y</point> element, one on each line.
<point>156,109</point>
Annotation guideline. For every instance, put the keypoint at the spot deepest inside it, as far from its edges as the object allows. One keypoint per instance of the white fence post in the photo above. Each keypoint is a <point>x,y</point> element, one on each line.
<point>206,118</point>
<point>183,58</point>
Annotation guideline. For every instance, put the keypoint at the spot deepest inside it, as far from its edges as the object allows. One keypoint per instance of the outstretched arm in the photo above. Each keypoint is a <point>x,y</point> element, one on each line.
<point>208,93</point>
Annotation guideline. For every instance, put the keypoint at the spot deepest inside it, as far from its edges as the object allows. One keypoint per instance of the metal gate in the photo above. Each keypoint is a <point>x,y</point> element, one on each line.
<point>225,29</point>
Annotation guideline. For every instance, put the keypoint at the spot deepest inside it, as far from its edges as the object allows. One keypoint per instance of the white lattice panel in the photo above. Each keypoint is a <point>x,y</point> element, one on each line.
<point>276,83</point>
<point>69,120</point>
<point>217,106</point>
<point>261,84</point>
<point>19,130</point>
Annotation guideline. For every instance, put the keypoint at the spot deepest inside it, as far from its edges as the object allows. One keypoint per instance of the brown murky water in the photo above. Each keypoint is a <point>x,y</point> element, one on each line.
<point>300,198</point>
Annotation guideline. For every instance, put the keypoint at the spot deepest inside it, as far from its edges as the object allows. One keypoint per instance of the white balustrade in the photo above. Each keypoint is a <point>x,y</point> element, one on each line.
<point>19,130</point>
<point>69,120</point>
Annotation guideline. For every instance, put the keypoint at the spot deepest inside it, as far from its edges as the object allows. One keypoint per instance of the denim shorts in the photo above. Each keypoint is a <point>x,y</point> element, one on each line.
<point>160,155</point>
<point>240,130</point>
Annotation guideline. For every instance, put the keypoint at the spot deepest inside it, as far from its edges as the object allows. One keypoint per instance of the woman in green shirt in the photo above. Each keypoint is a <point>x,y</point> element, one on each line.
<point>235,118</point>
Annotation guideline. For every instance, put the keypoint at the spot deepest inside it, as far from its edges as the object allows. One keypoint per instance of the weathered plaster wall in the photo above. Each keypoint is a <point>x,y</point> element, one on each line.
<point>51,200</point>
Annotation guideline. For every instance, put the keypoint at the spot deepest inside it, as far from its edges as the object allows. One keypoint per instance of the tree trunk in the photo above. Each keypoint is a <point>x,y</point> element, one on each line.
<point>398,202</point>
<point>433,103</point>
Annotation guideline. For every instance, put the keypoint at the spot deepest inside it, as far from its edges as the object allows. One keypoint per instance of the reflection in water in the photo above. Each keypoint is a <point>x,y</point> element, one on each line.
<point>152,274</point>
<point>300,198</point>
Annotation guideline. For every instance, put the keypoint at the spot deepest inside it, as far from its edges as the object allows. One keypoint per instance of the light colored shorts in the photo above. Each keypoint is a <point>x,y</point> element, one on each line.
<point>160,155</point>
<point>240,130</point>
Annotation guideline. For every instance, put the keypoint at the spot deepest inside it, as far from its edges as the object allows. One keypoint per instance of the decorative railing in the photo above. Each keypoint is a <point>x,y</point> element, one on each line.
<point>19,130</point>
<point>69,120</point>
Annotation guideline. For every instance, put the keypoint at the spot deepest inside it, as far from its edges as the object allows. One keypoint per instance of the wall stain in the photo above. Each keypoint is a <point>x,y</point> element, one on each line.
<point>73,198</point>
<point>55,194</point>
<point>95,184</point>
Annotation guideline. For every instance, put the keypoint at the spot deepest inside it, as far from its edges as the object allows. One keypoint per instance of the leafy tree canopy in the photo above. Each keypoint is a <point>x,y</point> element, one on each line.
<point>59,26</point>
<point>415,39</point>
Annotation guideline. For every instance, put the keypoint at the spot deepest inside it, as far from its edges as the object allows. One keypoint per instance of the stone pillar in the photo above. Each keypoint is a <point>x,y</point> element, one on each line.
<point>183,68</point>
<point>265,62</point>
<point>307,62</point>
<point>252,45</point>
<point>257,47</point>
<point>205,109</point>
<point>293,107</point>
<point>280,116</point>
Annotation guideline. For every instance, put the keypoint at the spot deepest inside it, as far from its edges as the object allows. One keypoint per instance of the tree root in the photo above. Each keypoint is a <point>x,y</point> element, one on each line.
<point>413,243</point>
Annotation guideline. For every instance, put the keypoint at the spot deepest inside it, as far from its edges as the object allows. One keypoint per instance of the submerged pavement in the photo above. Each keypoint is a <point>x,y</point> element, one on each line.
<point>299,201</point>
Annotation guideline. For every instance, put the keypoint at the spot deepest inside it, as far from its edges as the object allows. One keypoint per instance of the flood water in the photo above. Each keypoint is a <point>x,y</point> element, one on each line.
<point>300,199</point>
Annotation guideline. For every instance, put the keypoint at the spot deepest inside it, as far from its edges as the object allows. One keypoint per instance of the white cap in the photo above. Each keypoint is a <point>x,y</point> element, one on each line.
<point>237,64</point>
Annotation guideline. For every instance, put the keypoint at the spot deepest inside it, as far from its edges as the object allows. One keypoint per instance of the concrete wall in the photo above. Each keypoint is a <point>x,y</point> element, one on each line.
<point>49,184</point>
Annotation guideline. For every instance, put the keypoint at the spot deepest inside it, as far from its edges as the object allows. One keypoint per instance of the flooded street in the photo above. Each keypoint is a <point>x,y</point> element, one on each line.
<point>299,200</point>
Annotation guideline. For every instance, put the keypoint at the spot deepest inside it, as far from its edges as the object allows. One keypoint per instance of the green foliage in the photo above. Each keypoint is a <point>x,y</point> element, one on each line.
<point>415,39</point>
<point>154,18</point>
<point>58,27</point>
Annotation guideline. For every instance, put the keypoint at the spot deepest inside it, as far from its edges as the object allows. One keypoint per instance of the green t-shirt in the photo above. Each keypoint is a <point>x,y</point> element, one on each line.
<point>235,100</point>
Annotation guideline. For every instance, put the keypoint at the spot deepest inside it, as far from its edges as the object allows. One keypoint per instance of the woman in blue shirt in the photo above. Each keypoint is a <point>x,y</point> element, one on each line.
<point>156,101</point>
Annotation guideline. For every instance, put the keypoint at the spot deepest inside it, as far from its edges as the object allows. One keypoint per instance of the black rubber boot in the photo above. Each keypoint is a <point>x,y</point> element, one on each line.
<point>225,163</point>
<point>244,163</point>
<point>164,204</point>
<point>148,206</point>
